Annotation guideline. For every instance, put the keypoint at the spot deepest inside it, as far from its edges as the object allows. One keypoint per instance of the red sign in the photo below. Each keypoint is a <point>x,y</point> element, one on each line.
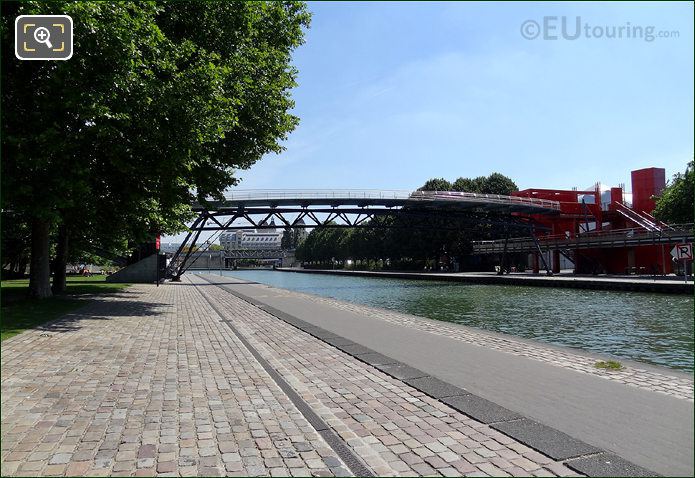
<point>157,242</point>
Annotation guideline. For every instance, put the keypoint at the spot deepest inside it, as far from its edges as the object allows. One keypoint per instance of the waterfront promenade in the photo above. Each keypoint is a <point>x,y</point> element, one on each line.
<point>216,376</point>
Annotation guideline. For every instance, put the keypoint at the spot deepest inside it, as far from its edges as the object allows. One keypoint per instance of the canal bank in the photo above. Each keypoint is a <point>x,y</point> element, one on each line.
<point>642,414</point>
<point>650,328</point>
<point>668,286</point>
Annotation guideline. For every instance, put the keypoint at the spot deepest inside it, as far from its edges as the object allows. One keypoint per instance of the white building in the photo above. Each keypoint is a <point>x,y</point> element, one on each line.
<point>251,239</point>
<point>169,247</point>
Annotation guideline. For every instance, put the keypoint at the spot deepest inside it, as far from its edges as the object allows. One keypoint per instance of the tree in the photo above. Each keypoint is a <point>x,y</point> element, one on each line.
<point>468,185</point>
<point>677,201</point>
<point>159,107</point>
<point>497,183</point>
<point>436,184</point>
<point>291,238</point>
<point>15,245</point>
<point>379,240</point>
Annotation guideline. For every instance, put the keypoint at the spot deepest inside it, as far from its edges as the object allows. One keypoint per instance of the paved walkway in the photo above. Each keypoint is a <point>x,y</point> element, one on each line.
<point>643,414</point>
<point>189,380</point>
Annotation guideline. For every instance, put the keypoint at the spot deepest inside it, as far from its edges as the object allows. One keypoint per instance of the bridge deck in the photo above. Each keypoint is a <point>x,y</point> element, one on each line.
<point>444,200</point>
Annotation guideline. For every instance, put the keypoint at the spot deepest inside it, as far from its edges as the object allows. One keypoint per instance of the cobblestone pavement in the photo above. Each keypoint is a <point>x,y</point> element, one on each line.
<point>675,386</point>
<point>392,427</point>
<point>149,382</point>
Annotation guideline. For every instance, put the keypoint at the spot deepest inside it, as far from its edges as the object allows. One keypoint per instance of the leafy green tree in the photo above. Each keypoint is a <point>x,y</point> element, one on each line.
<point>425,242</point>
<point>15,245</point>
<point>291,238</point>
<point>161,103</point>
<point>676,203</point>
<point>468,185</point>
<point>436,184</point>
<point>497,183</point>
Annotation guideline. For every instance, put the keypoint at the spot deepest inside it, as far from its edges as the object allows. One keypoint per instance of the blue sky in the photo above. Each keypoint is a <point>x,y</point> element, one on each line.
<point>391,94</point>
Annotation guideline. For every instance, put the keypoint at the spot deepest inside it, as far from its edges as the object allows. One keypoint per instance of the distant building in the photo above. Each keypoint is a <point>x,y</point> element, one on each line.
<point>169,247</point>
<point>251,239</point>
<point>300,233</point>
<point>609,213</point>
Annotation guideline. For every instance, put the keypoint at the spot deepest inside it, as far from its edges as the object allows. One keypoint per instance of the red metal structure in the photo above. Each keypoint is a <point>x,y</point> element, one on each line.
<point>600,232</point>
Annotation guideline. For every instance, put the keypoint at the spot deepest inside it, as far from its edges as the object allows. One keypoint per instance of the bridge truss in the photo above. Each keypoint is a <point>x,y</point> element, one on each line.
<point>357,209</point>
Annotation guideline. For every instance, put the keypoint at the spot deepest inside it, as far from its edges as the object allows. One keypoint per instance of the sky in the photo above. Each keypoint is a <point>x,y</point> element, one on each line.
<point>391,94</point>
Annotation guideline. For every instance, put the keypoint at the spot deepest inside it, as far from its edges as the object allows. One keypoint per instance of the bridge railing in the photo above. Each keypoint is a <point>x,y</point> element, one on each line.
<point>488,198</point>
<point>675,231</point>
<point>270,194</point>
<point>249,194</point>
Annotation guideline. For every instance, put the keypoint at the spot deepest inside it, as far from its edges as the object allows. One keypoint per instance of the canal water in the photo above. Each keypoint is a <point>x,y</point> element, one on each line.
<point>651,328</point>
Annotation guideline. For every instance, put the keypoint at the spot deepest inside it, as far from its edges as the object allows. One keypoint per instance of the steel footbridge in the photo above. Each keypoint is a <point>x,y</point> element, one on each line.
<point>266,209</point>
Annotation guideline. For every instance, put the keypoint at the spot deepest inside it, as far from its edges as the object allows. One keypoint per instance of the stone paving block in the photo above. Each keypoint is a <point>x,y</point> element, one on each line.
<point>355,349</point>
<point>60,458</point>
<point>548,441</point>
<point>320,333</point>
<point>77,468</point>
<point>482,410</point>
<point>339,341</point>
<point>375,358</point>
<point>607,464</point>
<point>402,372</point>
<point>434,387</point>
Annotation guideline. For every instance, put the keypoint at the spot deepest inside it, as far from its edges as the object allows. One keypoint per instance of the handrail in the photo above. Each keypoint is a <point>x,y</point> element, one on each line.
<point>675,231</point>
<point>656,221</point>
<point>636,217</point>
<point>250,194</point>
<point>498,198</point>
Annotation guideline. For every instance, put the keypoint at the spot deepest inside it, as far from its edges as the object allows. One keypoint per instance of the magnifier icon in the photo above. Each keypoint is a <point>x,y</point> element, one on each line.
<point>42,35</point>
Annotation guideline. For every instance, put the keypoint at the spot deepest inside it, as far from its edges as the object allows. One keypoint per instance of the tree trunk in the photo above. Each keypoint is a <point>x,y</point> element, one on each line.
<point>61,261</point>
<point>39,272</point>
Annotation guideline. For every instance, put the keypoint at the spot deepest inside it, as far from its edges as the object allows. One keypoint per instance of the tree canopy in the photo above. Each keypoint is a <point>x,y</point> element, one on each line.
<point>404,248</point>
<point>160,104</point>
<point>676,204</point>
<point>436,184</point>
<point>495,183</point>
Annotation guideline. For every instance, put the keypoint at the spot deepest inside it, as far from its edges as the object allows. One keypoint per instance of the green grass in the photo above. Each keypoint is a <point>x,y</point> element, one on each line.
<point>609,365</point>
<point>20,313</point>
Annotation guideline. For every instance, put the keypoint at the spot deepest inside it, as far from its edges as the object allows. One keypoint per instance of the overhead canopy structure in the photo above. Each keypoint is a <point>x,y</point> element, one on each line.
<point>266,209</point>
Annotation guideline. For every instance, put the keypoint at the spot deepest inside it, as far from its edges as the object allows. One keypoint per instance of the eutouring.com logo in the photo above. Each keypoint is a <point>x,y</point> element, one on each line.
<point>573,28</point>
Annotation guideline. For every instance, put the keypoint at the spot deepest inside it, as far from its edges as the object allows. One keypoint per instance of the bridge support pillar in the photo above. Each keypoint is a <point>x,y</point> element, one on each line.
<point>536,265</point>
<point>556,261</point>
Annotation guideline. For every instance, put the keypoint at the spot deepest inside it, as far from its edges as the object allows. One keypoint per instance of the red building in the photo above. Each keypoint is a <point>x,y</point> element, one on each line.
<point>605,230</point>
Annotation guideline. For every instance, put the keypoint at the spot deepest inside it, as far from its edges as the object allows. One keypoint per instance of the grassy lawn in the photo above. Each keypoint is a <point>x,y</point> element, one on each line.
<point>20,314</point>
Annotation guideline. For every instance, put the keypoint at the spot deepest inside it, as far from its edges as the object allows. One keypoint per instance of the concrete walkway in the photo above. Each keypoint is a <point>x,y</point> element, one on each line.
<point>187,379</point>
<point>643,414</point>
